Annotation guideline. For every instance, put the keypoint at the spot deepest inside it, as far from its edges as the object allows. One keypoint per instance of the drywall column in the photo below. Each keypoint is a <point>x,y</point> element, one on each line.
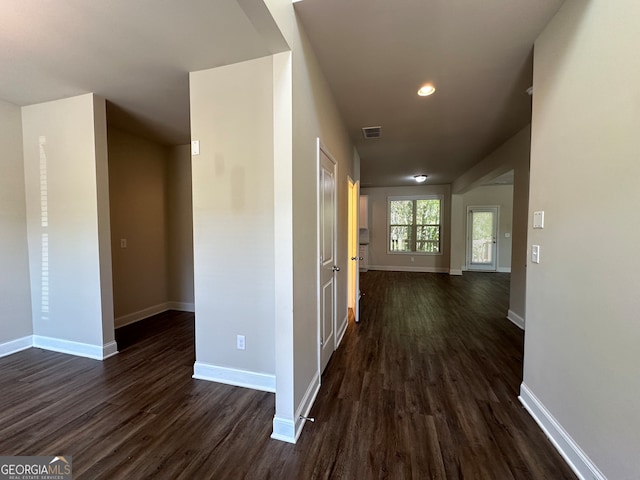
<point>284,422</point>
<point>233,223</point>
<point>15,298</point>
<point>581,344</point>
<point>458,217</point>
<point>66,180</point>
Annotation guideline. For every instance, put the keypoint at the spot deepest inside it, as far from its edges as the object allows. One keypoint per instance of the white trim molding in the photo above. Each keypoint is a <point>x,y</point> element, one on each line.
<point>387,268</point>
<point>15,346</point>
<point>342,328</point>
<point>109,349</point>
<point>579,462</point>
<point>516,319</point>
<point>181,306</point>
<point>284,430</point>
<point>151,311</point>
<point>503,270</point>
<point>97,352</point>
<point>288,430</point>
<point>455,271</point>
<point>141,314</point>
<point>234,376</point>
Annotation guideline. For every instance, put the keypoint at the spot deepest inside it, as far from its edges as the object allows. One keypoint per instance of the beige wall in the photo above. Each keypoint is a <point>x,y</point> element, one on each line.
<point>66,140</point>
<point>180,227</point>
<point>582,337</point>
<point>233,216</point>
<point>138,192</point>
<point>379,258</point>
<point>493,195</point>
<point>15,297</point>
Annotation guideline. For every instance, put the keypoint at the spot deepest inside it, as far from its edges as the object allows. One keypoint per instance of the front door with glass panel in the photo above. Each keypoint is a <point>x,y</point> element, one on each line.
<point>482,237</point>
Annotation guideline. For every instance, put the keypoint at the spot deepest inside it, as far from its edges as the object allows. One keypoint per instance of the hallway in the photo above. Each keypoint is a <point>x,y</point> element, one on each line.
<point>424,387</point>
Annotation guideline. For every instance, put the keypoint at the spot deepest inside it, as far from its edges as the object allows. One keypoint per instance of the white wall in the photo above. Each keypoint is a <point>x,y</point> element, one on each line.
<point>492,195</point>
<point>65,166</point>
<point>581,343</point>
<point>180,227</point>
<point>15,297</point>
<point>379,258</point>
<point>233,220</point>
<point>138,195</point>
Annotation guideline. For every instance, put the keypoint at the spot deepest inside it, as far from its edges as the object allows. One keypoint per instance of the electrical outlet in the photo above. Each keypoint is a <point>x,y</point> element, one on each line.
<point>123,243</point>
<point>240,343</point>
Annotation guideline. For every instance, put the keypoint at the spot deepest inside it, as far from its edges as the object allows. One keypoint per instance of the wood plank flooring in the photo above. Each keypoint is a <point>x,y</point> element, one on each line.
<point>424,387</point>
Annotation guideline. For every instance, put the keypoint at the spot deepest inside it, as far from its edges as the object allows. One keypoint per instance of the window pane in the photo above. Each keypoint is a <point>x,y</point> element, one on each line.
<point>428,238</point>
<point>428,247</point>
<point>428,212</point>
<point>400,239</point>
<point>401,212</point>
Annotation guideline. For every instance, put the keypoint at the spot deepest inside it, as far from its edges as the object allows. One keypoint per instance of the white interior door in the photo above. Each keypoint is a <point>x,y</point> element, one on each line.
<point>327,250</point>
<point>482,238</point>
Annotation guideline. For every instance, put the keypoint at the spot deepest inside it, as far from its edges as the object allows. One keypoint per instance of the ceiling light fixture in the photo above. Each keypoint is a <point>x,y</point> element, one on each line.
<point>420,178</point>
<point>426,90</point>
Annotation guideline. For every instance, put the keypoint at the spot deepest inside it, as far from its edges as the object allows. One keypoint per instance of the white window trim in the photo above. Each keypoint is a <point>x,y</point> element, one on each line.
<point>414,197</point>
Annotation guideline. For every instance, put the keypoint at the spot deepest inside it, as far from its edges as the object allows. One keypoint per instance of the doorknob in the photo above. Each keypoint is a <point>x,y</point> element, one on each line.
<point>336,268</point>
<point>356,258</point>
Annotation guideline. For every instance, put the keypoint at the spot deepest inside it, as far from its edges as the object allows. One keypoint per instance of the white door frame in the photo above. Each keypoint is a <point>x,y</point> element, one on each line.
<point>322,149</point>
<point>495,209</point>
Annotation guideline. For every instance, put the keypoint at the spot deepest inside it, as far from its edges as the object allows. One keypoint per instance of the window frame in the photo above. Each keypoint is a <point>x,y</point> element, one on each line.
<point>413,226</point>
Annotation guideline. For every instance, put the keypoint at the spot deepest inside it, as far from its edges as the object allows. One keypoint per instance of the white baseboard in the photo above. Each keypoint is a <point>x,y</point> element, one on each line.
<point>289,430</point>
<point>182,306</point>
<point>233,376</point>
<point>455,271</point>
<point>151,311</point>
<point>284,429</point>
<point>387,268</point>
<point>15,346</point>
<point>97,352</point>
<point>516,319</point>
<point>504,270</point>
<point>341,330</point>
<point>109,349</point>
<point>141,314</point>
<point>579,462</point>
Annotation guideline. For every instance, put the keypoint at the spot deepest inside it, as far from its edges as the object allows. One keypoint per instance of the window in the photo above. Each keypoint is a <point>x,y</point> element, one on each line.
<point>414,224</point>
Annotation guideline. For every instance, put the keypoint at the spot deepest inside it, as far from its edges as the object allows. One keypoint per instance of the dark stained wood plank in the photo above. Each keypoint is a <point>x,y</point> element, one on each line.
<point>424,387</point>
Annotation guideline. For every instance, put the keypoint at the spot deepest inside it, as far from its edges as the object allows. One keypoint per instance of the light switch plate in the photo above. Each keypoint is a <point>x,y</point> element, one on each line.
<point>535,253</point>
<point>195,147</point>
<point>538,219</point>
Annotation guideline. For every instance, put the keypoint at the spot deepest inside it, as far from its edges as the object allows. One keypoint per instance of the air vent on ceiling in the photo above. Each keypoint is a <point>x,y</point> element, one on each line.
<point>372,132</point>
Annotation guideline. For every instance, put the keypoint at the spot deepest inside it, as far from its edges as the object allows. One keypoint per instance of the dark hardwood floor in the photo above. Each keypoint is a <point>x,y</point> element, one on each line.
<point>424,387</point>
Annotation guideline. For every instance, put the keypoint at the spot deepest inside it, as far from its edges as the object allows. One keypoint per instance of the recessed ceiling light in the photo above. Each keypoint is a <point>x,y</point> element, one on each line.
<point>420,178</point>
<point>426,90</point>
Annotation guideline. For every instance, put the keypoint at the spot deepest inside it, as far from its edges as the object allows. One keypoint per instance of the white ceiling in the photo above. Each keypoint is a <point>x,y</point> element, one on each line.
<point>135,53</point>
<point>377,53</point>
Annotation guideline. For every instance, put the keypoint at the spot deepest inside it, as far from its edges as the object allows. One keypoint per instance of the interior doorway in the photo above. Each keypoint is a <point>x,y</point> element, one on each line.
<point>354,259</point>
<point>482,238</point>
